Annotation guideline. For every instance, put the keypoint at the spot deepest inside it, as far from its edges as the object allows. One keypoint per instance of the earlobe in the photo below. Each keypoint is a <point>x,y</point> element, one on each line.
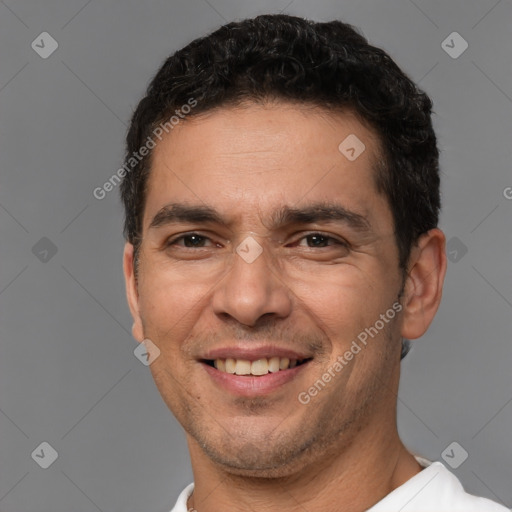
<point>132,295</point>
<point>424,283</point>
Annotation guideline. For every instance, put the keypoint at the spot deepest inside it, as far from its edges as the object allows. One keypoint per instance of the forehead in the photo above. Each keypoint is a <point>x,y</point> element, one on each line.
<point>249,160</point>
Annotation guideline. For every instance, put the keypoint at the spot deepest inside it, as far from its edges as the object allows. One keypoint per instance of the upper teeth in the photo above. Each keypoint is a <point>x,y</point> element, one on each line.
<point>258,367</point>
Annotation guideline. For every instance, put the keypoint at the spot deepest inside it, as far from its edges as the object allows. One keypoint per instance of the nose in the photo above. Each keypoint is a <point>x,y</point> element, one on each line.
<point>251,290</point>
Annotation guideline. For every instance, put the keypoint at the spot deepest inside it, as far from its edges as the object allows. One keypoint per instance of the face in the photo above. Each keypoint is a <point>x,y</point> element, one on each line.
<point>263,247</point>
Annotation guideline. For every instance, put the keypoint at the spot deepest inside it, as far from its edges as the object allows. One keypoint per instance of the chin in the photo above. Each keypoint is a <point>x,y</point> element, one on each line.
<point>249,460</point>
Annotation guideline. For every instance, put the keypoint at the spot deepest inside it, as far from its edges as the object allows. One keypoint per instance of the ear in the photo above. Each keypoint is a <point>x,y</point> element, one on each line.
<point>424,283</point>
<point>131,291</point>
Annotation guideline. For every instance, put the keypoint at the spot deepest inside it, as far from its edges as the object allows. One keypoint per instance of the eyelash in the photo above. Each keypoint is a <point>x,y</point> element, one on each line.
<point>341,243</point>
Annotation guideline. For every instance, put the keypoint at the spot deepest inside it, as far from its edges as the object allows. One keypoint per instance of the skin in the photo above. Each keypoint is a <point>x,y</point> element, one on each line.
<point>271,452</point>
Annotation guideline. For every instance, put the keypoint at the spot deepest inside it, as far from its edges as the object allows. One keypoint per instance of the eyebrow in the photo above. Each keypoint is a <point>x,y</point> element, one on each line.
<point>286,215</point>
<point>320,212</point>
<point>176,212</point>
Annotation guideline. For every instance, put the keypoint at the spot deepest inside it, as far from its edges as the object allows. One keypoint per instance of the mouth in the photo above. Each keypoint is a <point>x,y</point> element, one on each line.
<point>256,368</point>
<point>253,375</point>
<point>250,370</point>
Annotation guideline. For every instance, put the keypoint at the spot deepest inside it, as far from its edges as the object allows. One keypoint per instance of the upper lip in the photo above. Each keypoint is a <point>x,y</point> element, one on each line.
<point>253,353</point>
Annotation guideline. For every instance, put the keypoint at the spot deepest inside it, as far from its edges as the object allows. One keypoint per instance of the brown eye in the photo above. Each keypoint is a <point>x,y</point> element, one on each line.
<point>320,240</point>
<point>317,240</point>
<point>194,241</point>
<point>190,240</point>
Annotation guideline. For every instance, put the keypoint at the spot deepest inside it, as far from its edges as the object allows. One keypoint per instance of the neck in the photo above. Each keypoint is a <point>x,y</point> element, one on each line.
<point>357,476</point>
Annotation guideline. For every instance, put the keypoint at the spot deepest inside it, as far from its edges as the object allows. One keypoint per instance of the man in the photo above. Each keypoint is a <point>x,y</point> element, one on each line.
<point>282,194</point>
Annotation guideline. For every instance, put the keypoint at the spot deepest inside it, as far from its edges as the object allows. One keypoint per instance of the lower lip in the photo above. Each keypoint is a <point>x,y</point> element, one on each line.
<point>253,386</point>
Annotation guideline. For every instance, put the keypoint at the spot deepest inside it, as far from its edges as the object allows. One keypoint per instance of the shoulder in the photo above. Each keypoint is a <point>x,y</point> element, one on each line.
<point>435,488</point>
<point>181,503</point>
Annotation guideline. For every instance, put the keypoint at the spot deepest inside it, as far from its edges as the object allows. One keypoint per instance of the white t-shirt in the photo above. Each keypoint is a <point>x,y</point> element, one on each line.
<point>434,489</point>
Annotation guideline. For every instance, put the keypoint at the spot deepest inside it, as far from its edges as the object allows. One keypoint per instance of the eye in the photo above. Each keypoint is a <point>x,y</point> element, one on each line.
<point>320,240</point>
<point>189,240</point>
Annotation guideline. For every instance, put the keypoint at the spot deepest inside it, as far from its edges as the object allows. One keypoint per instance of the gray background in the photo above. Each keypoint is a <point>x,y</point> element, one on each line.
<point>68,375</point>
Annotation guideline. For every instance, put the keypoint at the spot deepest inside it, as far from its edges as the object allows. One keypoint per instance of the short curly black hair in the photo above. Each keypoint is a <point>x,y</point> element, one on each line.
<point>328,65</point>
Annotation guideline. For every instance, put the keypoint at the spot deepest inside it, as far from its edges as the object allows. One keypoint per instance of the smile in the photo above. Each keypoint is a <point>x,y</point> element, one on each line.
<point>257,368</point>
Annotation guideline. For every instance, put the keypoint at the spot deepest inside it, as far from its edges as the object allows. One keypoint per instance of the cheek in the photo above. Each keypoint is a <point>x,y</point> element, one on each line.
<point>169,306</point>
<point>346,301</point>
<point>339,298</point>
